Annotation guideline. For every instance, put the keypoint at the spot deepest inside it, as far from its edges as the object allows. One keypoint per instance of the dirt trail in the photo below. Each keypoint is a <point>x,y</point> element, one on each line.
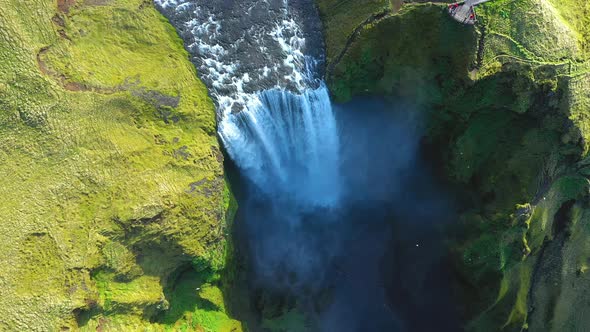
<point>396,5</point>
<point>372,19</point>
<point>70,86</point>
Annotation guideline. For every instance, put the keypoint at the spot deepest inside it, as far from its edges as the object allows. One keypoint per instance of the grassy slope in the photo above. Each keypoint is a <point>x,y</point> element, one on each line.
<point>508,132</point>
<point>575,15</point>
<point>341,17</point>
<point>113,175</point>
<point>403,63</point>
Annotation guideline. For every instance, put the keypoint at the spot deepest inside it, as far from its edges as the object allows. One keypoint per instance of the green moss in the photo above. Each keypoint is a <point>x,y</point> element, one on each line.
<point>576,104</point>
<point>576,15</point>
<point>532,28</point>
<point>289,321</point>
<point>115,169</point>
<point>541,223</point>
<point>506,108</point>
<point>405,65</point>
<point>509,310</point>
<point>197,304</point>
<point>512,251</point>
<point>131,297</point>
<point>341,18</point>
<point>121,260</point>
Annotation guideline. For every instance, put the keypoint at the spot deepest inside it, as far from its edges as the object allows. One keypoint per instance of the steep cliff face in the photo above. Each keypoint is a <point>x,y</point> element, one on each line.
<point>506,104</point>
<point>113,194</point>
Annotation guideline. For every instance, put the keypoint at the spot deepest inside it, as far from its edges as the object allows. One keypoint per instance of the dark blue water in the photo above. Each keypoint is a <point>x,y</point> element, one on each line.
<point>374,260</point>
<point>340,223</point>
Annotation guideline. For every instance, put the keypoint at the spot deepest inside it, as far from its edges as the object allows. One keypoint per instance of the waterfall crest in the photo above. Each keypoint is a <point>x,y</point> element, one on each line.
<point>287,143</point>
<point>274,113</point>
<point>322,198</point>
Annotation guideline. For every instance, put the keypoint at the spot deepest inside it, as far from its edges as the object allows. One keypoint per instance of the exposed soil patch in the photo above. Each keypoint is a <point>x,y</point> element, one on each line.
<point>68,85</point>
<point>40,62</point>
<point>396,5</point>
<point>58,20</point>
<point>64,5</point>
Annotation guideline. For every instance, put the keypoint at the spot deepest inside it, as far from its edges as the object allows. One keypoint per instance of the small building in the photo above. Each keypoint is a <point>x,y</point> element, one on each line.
<point>464,12</point>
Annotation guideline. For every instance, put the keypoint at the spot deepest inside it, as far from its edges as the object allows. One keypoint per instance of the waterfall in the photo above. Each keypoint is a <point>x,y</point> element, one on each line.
<point>287,144</point>
<point>274,113</point>
<point>313,231</point>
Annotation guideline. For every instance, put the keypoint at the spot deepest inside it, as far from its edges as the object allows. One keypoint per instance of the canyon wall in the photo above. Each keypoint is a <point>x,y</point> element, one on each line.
<point>506,106</point>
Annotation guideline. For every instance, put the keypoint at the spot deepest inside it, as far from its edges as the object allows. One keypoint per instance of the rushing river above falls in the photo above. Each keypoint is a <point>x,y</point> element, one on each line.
<point>320,189</point>
<point>262,68</point>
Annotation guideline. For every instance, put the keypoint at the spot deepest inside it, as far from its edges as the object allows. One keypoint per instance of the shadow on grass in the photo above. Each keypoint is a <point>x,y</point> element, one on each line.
<point>184,296</point>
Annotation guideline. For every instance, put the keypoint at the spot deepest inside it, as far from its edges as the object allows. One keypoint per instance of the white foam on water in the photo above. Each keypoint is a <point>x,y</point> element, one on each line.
<point>285,137</point>
<point>287,143</point>
<point>170,3</point>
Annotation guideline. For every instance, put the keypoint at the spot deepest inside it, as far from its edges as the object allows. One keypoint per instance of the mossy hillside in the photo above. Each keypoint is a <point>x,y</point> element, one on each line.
<point>550,87</point>
<point>549,34</point>
<point>401,55</point>
<point>506,106</point>
<point>193,302</point>
<point>576,102</point>
<point>201,303</point>
<point>507,141</point>
<point>561,284</point>
<point>498,119</point>
<point>113,173</point>
<point>341,18</point>
<point>545,31</point>
<point>529,29</point>
<point>576,15</point>
<point>514,255</point>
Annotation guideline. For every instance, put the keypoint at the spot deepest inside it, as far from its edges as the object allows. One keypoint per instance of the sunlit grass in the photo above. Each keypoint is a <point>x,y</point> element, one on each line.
<point>97,175</point>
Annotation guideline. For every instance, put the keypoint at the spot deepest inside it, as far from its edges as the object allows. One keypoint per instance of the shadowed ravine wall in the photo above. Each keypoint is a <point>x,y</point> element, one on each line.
<point>505,107</point>
<point>503,118</point>
<point>324,190</point>
<point>371,261</point>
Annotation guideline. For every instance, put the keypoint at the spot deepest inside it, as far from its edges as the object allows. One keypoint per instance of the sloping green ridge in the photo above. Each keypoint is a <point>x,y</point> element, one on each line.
<point>113,184</point>
<point>341,17</point>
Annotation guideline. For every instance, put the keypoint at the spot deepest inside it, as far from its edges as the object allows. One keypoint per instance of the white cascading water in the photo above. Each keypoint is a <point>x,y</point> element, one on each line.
<point>287,144</point>
<point>283,135</point>
<point>276,122</point>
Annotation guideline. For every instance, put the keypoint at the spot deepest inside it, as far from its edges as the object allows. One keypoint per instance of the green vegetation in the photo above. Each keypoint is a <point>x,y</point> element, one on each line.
<point>576,15</point>
<point>506,104</point>
<point>341,17</point>
<point>289,321</point>
<point>405,65</point>
<point>201,303</point>
<point>530,29</point>
<point>113,174</point>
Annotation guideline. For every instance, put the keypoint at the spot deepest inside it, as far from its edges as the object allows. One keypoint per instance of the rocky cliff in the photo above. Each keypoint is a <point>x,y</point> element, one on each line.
<point>507,105</point>
<point>114,203</point>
